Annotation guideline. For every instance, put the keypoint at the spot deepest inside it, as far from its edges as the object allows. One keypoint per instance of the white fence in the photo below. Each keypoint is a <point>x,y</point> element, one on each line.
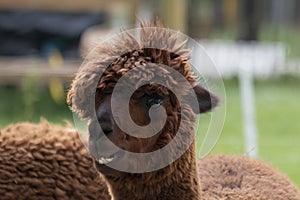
<point>265,59</point>
<point>244,60</point>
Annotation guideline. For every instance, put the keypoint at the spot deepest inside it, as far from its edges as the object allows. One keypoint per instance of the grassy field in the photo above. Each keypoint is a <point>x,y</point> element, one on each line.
<point>17,105</point>
<point>277,107</point>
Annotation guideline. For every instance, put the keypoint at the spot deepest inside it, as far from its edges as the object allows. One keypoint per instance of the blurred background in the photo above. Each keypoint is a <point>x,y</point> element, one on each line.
<point>42,44</point>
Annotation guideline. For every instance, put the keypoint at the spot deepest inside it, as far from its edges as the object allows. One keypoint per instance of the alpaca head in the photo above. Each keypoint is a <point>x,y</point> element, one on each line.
<point>138,96</point>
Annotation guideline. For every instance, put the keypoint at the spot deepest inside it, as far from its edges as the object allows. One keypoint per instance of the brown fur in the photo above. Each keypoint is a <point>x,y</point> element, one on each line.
<point>240,177</point>
<point>43,161</point>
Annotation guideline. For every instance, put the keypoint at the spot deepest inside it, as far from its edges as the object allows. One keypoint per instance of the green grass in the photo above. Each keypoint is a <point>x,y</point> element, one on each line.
<point>290,36</point>
<point>277,108</point>
<point>15,106</point>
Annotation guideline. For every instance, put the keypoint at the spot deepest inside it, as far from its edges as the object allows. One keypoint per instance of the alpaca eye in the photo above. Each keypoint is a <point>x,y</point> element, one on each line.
<point>154,101</point>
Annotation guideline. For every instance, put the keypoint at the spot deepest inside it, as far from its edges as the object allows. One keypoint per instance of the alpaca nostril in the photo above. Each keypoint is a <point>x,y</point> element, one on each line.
<point>98,127</point>
<point>105,126</point>
<point>106,131</point>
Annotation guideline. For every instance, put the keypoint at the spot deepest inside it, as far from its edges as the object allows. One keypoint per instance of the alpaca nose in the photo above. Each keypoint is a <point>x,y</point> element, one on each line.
<point>104,117</point>
<point>105,124</point>
<point>99,126</point>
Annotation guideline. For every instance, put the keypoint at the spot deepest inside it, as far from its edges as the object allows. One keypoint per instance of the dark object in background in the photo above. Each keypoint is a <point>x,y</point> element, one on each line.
<point>34,32</point>
<point>249,20</point>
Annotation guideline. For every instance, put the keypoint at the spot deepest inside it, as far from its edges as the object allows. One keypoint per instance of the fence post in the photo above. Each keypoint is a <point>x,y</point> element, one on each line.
<point>248,105</point>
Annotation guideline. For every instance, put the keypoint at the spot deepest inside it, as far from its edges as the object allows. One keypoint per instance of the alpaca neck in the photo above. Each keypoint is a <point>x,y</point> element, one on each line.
<point>179,180</point>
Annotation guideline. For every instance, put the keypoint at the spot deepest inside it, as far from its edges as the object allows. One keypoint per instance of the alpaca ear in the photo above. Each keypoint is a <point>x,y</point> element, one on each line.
<point>206,100</point>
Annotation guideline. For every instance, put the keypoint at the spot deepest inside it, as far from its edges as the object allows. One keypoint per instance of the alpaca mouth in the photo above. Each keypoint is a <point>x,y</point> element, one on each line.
<point>106,160</point>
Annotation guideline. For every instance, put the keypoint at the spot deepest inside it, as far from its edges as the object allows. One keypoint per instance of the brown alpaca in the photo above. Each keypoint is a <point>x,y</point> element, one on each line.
<point>46,162</point>
<point>240,177</point>
<point>178,180</point>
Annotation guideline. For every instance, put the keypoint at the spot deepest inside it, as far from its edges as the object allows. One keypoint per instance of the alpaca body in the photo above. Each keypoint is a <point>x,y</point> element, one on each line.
<point>44,161</point>
<point>242,178</point>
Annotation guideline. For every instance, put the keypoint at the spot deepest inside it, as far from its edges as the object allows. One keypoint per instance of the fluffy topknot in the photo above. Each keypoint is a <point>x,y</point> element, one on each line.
<point>108,62</point>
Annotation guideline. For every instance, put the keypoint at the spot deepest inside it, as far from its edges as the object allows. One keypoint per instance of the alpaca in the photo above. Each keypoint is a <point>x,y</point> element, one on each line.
<point>90,96</point>
<point>43,161</point>
<point>240,177</point>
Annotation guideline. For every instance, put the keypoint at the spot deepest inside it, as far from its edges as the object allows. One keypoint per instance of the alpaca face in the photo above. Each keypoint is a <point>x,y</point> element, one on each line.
<point>110,143</point>
<point>157,98</point>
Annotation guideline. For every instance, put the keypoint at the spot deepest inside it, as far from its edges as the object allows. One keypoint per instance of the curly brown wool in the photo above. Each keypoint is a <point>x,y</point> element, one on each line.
<point>231,177</point>
<point>45,161</point>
